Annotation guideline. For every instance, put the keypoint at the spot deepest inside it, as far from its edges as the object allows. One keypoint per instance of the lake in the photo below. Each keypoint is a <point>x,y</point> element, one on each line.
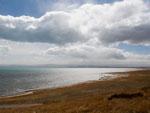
<point>14,80</point>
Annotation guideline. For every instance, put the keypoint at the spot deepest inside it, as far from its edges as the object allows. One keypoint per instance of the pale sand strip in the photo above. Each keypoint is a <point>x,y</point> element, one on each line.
<point>21,94</point>
<point>18,106</point>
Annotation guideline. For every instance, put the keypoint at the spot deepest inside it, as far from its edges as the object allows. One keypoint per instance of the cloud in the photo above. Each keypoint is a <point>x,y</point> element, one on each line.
<point>4,50</point>
<point>85,52</point>
<point>86,34</point>
<point>110,23</point>
<point>88,53</point>
<point>51,28</point>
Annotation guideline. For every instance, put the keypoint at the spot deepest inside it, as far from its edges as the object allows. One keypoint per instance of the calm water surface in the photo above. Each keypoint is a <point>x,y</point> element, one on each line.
<point>15,80</point>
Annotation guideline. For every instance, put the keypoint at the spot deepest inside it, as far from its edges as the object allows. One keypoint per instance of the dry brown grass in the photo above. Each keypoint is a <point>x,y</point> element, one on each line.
<point>90,97</point>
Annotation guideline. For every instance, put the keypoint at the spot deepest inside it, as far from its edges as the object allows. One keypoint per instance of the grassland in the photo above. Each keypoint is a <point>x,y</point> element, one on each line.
<point>126,94</point>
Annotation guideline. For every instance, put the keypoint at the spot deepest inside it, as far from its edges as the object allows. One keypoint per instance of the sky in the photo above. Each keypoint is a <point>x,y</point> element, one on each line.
<point>75,32</point>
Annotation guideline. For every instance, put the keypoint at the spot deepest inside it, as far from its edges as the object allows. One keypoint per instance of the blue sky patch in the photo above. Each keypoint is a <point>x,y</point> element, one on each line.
<point>137,49</point>
<point>32,7</point>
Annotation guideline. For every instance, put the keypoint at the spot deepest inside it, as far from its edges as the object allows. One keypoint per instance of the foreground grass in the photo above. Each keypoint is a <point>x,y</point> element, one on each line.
<point>128,94</point>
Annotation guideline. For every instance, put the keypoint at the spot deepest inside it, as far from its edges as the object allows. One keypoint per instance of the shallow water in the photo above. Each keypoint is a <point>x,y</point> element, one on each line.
<point>19,79</point>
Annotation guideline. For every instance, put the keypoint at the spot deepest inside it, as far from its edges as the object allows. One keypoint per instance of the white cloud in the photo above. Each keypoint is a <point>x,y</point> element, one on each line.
<point>89,53</point>
<point>110,23</point>
<point>4,50</point>
<point>81,35</point>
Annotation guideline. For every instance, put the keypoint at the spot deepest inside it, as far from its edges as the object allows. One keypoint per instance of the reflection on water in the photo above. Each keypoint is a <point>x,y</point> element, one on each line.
<point>13,80</point>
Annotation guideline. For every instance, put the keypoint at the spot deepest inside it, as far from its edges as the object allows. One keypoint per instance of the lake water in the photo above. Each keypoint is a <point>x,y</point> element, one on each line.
<point>19,79</point>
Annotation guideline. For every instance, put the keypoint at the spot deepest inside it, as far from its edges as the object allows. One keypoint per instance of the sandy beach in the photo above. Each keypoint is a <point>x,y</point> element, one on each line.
<point>128,93</point>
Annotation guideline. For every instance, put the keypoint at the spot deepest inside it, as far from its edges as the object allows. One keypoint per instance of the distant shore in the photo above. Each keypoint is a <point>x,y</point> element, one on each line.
<point>127,92</point>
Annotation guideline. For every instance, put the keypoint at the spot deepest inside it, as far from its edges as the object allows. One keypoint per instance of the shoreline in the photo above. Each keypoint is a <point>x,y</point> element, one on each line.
<point>130,91</point>
<point>106,77</point>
